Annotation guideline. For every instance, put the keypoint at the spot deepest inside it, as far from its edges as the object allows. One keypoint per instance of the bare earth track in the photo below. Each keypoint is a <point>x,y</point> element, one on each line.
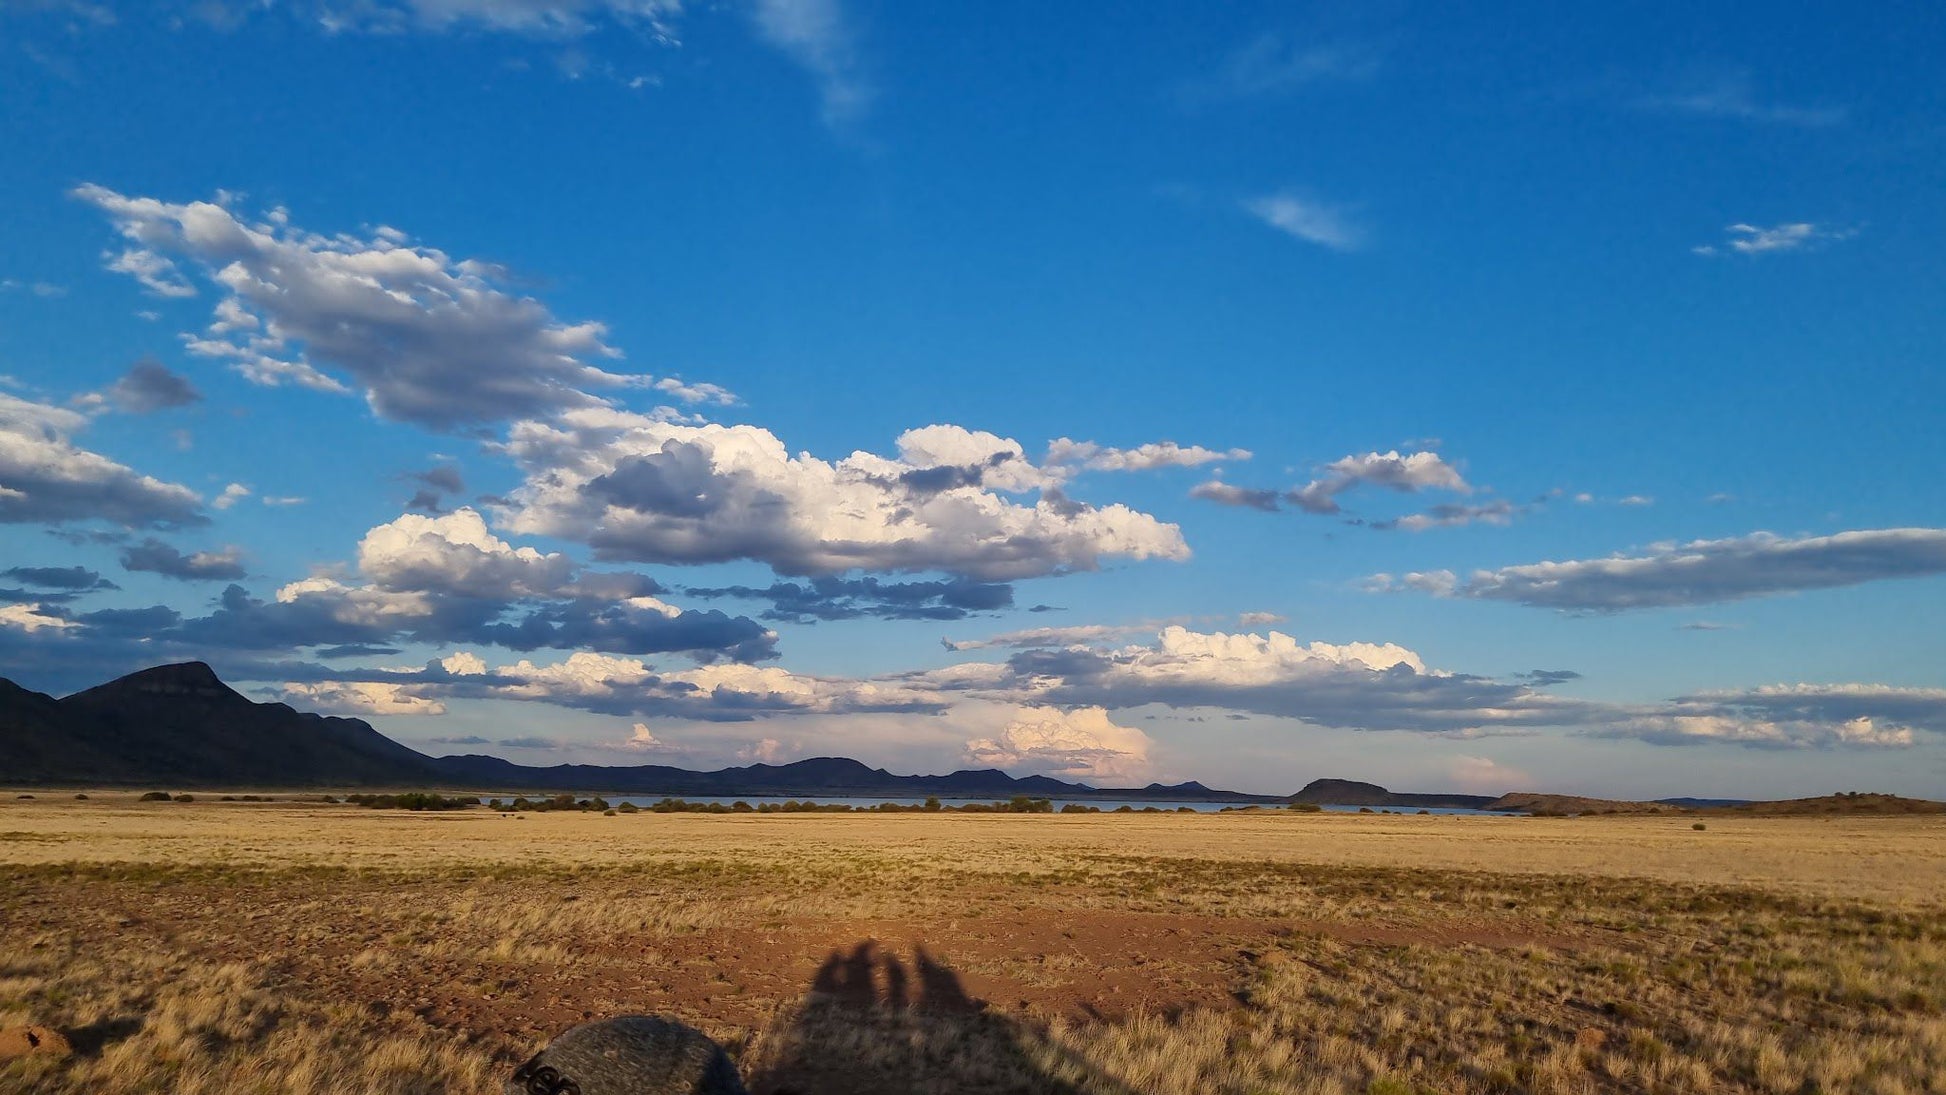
<point>288,946</point>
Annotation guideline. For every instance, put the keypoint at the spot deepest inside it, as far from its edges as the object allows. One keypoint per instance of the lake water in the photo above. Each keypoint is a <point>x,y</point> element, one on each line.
<point>1105,805</point>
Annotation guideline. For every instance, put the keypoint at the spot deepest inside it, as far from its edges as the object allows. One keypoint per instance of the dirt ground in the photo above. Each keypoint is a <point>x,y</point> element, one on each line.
<point>489,933</point>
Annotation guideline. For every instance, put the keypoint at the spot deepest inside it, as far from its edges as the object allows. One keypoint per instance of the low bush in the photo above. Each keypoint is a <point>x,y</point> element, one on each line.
<point>413,800</point>
<point>1019,804</point>
<point>554,802</point>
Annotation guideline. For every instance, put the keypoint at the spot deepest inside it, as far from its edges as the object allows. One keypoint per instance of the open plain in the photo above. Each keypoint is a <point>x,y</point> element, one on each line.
<point>297,946</point>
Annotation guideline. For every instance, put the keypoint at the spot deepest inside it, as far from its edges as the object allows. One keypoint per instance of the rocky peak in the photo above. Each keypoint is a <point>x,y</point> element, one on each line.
<point>180,679</point>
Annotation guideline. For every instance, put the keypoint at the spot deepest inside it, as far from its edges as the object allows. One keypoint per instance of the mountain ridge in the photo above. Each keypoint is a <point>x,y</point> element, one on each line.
<point>179,724</point>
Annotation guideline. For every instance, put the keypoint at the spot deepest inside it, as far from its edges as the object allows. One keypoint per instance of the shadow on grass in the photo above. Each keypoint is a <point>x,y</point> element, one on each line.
<point>871,1025</point>
<point>90,1040</point>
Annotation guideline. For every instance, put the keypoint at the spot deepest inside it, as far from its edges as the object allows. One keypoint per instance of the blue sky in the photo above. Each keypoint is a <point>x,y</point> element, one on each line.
<point>1477,399</point>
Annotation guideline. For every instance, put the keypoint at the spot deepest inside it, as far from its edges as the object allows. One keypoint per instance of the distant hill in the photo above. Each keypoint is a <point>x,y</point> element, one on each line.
<point>828,776</point>
<point>179,724</point>
<point>1852,804</point>
<point>1346,792</point>
<point>1530,802</point>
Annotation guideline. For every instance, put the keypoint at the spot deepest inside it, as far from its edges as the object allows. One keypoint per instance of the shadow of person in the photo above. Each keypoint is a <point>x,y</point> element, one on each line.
<point>939,987</point>
<point>91,1040</point>
<point>847,979</point>
<point>865,1028</point>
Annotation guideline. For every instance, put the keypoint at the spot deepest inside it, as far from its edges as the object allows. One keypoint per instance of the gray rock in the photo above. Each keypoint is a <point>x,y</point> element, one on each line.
<point>629,1055</point>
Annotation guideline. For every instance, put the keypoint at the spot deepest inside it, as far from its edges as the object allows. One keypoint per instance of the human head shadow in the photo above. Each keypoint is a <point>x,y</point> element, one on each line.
<point>91,1040</point>
<point>872,1025</point>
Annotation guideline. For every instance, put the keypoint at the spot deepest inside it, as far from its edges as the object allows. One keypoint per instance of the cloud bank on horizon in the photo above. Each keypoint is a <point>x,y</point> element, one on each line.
<point>700,469</point>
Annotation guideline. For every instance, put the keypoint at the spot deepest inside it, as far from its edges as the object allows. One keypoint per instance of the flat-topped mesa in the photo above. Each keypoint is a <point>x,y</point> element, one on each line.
<point>1343,792</point>
<point>178,679</point>
<point>1351,792</point>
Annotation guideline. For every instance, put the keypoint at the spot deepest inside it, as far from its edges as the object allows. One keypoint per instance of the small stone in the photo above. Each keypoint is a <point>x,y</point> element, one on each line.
<point>17,1042</point>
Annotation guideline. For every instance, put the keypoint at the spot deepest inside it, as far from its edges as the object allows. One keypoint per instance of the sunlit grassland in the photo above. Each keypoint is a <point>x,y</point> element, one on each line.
<point>296,947</point>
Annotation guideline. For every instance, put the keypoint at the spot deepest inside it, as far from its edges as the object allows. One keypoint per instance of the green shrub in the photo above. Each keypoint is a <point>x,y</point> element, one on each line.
<point>1699,826</point>
<point>185,798</point>
<point>154,796</point>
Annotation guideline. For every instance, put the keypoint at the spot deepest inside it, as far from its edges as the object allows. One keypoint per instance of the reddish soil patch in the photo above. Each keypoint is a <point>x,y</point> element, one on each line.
<point>29,1041</point>
<point>1082,963</point>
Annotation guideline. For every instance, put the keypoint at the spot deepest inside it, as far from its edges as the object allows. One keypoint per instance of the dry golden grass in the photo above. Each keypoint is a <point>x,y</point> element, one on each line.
<point>1879,858</point>
<point>294,947</point>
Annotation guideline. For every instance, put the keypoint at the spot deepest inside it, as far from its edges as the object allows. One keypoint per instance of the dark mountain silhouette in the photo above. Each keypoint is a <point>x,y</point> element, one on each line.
<point>1847,803</point>
<point>829,776</point>
<point>178,725</point>
<point>1347,792</point>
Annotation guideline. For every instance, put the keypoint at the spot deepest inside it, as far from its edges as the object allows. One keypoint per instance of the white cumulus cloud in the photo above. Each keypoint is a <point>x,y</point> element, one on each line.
<point>1156,454</point>
<point>359,698</point>
<point>456,554</point>
<point>427,338</point>
<point>32,617</point>
<point>645,489</point>
<point>45,477</point>
<point>1081,744</point>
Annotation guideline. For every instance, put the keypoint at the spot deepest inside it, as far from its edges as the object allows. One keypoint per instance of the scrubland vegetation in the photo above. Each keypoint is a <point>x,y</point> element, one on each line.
<point>310,947</point>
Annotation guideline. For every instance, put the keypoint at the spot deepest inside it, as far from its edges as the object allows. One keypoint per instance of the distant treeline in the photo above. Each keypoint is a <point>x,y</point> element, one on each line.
<point>412,800</point>
<point>427,800</point>
<point>1019,804</point>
